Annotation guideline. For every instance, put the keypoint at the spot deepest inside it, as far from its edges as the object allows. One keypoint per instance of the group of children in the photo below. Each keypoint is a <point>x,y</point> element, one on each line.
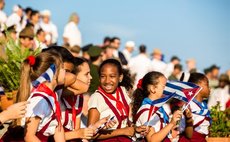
<point>56,101</point>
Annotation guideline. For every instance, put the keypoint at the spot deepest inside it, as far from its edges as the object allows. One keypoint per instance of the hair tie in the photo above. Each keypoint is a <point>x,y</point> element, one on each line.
<point>31,60</point>
<point>139,84</point>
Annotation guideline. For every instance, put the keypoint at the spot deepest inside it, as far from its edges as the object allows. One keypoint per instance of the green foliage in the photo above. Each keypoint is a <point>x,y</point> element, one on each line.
<point>10,66</point>
<point>220,122</point>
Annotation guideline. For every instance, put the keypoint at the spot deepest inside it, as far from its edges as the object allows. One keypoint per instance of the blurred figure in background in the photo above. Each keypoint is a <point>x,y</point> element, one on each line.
<point>3,16</point>
<point>115,45</point>
<point>140,64</point>
<point>72,34</point>
<point>48,26</point>
<point>16,18</point>
<point>40,40</point>
<point>170,66</point>
<point>129,48</point>
<point>214,73</point>
<point>175,76</point>
<point>157,63</point>
<point>220,94</point>
<point>191,66</point>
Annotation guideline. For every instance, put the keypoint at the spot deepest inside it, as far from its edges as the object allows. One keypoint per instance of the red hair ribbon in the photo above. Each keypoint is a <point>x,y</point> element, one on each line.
<point>139,84</point>
<point>31,60</point>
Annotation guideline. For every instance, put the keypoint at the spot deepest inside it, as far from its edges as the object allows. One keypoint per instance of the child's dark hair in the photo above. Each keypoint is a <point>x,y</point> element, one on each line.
<point>65,54</point>
<point>77,62</point>
<point>126,81</point>
<point>194,77</point>
<point>151,78</point>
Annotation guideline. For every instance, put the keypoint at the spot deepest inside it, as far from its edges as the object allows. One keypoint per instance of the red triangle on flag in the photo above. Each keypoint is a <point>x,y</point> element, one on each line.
<point>189,93</point>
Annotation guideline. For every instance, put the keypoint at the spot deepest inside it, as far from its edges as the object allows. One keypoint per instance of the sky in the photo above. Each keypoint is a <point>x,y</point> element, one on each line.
<point>198,29</point>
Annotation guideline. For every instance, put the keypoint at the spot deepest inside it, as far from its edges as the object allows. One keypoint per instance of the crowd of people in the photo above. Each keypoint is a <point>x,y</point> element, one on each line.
<point>99,93</point>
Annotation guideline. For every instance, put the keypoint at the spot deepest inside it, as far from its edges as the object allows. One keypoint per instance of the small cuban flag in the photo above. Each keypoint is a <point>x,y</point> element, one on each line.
<point>184,91</point>
<point>46,76</point>
<point>2,91</point>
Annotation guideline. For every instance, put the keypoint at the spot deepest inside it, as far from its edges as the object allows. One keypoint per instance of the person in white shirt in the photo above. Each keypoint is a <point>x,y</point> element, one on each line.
<point>40,39</point>
<point>140,64</point>
<point>220,94</point>
<point>170,66</point>
<point>15,18</point>
<point>50,29</point>
<point>129,47</point>
<point>157,63</point>
<point>72,35</point>
<point>3,16</point>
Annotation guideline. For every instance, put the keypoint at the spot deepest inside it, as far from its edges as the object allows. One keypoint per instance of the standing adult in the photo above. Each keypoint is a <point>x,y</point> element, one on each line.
<point>115,44</point>
<point>72,34</point>
<point>48,26</point>
<point>157,63</point>
<point>3,16</point>
<point>140,64</point>
<point>129,47</point>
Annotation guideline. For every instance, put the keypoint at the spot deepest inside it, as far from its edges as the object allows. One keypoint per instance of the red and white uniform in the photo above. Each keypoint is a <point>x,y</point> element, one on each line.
<point>97,101</point>
<point>43,104</point>
<point>71,107</point>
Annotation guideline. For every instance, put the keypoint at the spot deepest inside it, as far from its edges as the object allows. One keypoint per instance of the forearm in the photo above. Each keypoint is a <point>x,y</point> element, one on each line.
<point>72,135</point>
<point>189,128</point>
<point>59,135</point>
<point>3,116</point>
<point>104,134</point>
<point>31,138</point>
<point>159,136</point>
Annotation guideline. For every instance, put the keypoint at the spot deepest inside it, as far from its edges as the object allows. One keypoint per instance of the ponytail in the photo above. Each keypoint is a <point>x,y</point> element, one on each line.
<point>24,86</point>
<point>138,97</point>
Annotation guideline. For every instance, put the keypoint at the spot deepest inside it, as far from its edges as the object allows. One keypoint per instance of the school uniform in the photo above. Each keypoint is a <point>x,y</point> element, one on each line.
<point>44,104</point>
<point>201,122</point>
<point>152,116</point>
<point>71,107</point>
<point>117,105</point>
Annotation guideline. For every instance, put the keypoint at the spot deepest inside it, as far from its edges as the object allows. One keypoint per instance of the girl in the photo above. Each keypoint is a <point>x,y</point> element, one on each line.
<point>72,103</point>
<point>112,99</point>
<point>43,116</point>
<point>200,113</point>
<point>150,89</point>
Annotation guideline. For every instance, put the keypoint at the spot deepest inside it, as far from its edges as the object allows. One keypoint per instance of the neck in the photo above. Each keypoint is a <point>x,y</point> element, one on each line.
<point>199,98</point>
<point>152,96</point>
<point>50,85</point>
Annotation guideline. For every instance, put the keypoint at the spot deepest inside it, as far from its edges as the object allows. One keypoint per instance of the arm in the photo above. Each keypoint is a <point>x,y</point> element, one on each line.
<point>59,135</point>
<point>94,116</point>
<point>159,136</point>
<point>79,133</point>
<point>31,127</point>
<point>14,111</point>
<point>189,123</point>
<point>74,85</point>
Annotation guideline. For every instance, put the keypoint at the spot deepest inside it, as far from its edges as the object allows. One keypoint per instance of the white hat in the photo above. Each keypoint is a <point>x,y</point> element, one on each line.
<point>46,13</point>
<point>130,44</point>
<point>16,8</point>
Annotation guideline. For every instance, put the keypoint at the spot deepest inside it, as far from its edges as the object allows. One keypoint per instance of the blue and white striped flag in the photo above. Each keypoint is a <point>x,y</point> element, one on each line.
<point>184,91</point>
<point>2,91</point>
<point>46,76</point>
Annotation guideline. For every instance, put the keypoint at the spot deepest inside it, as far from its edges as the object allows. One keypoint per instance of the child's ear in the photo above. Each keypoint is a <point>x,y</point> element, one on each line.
<point>153,89</point>
<point>121,78</point>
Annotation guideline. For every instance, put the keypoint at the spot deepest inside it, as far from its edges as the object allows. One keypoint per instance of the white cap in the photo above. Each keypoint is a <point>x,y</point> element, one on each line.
<point>130,44</point>
<point>46,12</point>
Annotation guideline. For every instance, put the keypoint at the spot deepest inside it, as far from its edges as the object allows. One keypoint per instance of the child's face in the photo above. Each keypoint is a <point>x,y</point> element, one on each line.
<point>109,78</point>
<point>61,76</point>
<point>84,74</point>
<point>160,86</point>
<point>205,88</point>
